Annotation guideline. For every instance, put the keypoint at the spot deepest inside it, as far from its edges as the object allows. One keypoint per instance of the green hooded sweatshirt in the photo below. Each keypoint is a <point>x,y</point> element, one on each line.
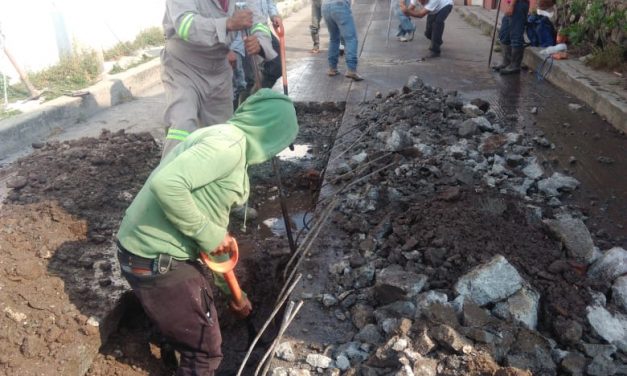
<point>184,206</point>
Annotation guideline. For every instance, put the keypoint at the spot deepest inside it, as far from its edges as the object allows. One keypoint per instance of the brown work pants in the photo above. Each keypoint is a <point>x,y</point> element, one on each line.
<point>180,304</point>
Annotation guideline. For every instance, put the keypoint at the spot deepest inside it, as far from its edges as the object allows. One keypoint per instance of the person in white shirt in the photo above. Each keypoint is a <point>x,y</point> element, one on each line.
<point>436,11</point>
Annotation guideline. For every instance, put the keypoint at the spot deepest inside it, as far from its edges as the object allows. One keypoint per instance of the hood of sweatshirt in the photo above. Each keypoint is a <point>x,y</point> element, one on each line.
<point>268,120</point>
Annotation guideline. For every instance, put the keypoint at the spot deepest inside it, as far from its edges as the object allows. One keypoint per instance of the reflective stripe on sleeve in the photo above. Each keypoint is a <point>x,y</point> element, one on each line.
<point>183,31</point>
<point>177,134</point>
<point>262,28</point>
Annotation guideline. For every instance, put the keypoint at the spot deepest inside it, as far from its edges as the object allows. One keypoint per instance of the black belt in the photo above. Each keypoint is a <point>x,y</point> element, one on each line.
<point>144,266</point>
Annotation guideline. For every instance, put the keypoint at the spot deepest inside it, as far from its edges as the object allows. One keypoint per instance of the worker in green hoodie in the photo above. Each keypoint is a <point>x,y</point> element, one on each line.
<point>183,209</point>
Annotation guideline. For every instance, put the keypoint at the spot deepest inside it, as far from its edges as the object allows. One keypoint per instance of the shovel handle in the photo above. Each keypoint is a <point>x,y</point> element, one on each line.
<point>226,269</point>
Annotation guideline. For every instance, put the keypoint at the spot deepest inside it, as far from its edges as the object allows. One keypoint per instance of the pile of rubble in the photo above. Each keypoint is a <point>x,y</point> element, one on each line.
<point>462,258</point>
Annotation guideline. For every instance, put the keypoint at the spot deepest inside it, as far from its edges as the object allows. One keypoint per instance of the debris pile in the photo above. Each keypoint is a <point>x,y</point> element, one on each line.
<point>459,255</point>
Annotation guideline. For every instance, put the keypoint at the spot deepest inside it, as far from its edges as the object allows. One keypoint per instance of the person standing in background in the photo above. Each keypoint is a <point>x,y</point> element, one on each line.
<point>436,11</point>
<point>511,36</point>
<point>406,27</point>
<point>340,23</point>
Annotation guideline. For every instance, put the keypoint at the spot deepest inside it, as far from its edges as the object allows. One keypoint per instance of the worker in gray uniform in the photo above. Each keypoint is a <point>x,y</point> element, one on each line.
<point>270,65</point>
<point>196,74</point>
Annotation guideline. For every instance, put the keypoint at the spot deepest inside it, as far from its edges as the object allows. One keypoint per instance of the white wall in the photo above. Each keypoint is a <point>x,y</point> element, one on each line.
<point>38,31</point>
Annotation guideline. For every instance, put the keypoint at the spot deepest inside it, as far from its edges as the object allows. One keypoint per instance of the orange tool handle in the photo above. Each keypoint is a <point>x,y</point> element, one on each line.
<point>280,32</point>
<point>226,269</point>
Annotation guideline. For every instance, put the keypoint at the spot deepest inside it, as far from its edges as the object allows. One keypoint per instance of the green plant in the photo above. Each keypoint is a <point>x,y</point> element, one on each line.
<point>8,113</point>
<point>150,37</point>
<point>14,92</point>
<point>611,57</point>
<point>73,72</point>
<point>575,33</point>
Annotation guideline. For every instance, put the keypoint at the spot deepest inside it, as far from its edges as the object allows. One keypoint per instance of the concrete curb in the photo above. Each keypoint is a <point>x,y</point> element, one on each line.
<point>62,113</point>
<point>571,76</point>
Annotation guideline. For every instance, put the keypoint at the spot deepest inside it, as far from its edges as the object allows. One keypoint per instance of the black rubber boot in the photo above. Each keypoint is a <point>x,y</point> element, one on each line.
<point>514,67</point>
<point>507,58</point>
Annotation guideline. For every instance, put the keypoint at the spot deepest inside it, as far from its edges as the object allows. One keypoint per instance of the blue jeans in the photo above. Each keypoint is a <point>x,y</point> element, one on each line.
<point>435,27</point>
<point>513,27</point>
<point>405,25</point>
<point>338,16</point>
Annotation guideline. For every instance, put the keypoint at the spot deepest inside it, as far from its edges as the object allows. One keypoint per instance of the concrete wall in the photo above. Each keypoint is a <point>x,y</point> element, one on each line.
<point>38,31</point>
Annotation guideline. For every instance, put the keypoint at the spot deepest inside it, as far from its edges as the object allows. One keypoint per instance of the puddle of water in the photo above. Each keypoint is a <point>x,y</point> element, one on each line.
<point>276,225</point>
<point>300,152</point>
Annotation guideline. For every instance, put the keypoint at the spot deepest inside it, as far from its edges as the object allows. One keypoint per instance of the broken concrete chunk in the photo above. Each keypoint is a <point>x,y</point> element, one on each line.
<point>522,308</point>
<point>574,106</point>
<point>612,328</point>
<point>533,170</point>
<point>490,282</point>
<point>441,313</point>
<point>329,300</point>
<point>319,361</point>
<point>484,124</point>
<point>472,110</point>
<point>531,351</point>
<point>568,332</point>
<point>610,266</point>
<point>467,129</point>
<point>359,158</point>
<point>342,362</point>
<point>17,182</point>
<point>481,103</point>
<point>594,349</point>
<point>450,338</point>
<point>361,315</point>
<point>369,334</point>
<point>619,292</point>
<point>284,351</point>
<point>393,283</point>
<point>397,309</point>
<point>474,316</point>
<point>414,83</point>
<point>575,236</point>
<point>425,367</point>
<point>601,366</point>
<point>422,342</point>
<point>398,140</point>
<point>557,183</point>
<point>574,364</point>
<point>425,299</point>
<point>364,276</point>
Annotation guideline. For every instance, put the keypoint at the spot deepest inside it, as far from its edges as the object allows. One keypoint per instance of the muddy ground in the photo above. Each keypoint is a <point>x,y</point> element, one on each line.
<point>445,195</point>
<point>58,273</point>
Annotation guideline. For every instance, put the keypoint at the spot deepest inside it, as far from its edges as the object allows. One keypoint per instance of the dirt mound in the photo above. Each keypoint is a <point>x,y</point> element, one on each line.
<point>59,288</point>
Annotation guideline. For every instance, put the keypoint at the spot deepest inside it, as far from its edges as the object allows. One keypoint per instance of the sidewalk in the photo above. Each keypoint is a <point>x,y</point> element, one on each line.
<point>602,91</point>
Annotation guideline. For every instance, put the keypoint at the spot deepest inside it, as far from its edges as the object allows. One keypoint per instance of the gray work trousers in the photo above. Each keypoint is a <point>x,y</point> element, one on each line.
<point>196,95</point>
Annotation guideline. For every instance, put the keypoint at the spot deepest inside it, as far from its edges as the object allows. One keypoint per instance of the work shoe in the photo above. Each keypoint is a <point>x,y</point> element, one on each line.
<point>332,72</point>
<point>432,54</point>
<point>514,66</point>
<point>507,58</point>
<point>354,76</point>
